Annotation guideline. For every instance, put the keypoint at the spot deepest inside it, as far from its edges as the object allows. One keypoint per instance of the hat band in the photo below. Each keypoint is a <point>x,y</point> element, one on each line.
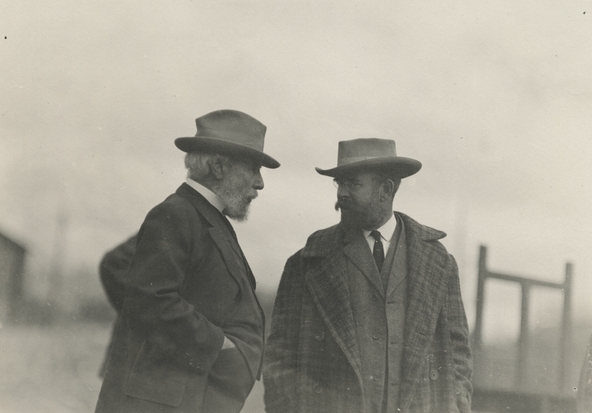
<point>228,136</point>
<point>347,161</point>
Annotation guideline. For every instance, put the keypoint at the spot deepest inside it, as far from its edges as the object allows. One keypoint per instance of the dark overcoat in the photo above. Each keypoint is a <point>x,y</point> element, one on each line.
<point>312,361</point>
<point>187,287</point>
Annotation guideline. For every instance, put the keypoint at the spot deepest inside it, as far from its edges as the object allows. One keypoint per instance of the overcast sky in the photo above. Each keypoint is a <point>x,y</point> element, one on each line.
<point>493,97</point>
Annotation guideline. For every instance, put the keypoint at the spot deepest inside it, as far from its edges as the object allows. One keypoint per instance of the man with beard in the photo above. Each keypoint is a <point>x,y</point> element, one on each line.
<point>368,316</point>
<point>189,337</point>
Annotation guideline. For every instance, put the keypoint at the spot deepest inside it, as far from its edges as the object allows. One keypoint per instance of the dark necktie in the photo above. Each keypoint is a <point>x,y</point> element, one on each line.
<point>378,251</point>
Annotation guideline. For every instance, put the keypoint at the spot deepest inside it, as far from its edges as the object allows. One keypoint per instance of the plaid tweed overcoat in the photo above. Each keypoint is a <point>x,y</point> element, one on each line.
<point>312,362</point>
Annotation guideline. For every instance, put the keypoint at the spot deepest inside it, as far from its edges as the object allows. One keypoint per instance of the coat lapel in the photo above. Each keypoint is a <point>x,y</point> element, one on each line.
<point>229,255</point>
<point>399,267</point>
<point>427,263</point>
<point>327,283</point>
<point>356,249</point>
<point>229,249</point>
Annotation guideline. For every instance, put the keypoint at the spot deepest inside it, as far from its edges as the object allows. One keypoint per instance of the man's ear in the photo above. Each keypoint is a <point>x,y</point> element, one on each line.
<point>387,190</point>
<point>218,167</point>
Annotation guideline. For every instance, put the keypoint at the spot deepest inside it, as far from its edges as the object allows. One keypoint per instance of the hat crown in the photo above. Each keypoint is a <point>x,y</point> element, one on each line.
<point>230,132</point>
<point>232,126</point>
<point>357,150</point>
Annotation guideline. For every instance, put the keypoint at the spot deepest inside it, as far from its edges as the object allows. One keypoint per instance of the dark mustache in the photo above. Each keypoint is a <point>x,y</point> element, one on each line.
<point>342,204</point>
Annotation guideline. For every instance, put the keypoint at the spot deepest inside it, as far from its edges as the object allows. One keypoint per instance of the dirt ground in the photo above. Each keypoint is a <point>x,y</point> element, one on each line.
<point>55,369</point>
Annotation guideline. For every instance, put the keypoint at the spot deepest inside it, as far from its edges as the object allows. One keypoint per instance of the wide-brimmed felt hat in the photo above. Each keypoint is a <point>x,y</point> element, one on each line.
<point>371,154</point>
<point>231,132</point>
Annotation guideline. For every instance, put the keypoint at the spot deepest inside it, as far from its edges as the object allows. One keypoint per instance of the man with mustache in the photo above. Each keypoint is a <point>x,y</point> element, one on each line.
<point>189,336</point>
<point>369,316</point>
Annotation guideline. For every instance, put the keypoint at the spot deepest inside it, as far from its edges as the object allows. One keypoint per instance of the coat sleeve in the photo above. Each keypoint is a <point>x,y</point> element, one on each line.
<point>113,269</point>
<point>459,339</point>
<point>281,356</point>
<point>154,306</point>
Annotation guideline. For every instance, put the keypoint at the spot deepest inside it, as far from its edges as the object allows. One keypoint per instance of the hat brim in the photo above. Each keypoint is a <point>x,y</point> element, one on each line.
<point>189,144</point>
<point>398,167</point>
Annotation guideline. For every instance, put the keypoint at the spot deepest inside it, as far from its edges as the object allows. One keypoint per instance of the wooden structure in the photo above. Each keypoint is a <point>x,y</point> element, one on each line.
<point>12,259</point>
<point>520,398</point>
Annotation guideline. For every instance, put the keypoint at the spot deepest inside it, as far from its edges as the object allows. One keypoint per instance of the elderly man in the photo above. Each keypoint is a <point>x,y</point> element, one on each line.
<point>190,334</point>
<point>368,316</point>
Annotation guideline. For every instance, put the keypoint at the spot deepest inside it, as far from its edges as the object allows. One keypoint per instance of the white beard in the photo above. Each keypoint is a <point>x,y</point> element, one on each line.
<point>237,199</point>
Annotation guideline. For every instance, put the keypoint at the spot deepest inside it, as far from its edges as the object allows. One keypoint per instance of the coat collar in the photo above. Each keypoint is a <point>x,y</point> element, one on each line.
<point>326,241</point>
<point>209,211</point>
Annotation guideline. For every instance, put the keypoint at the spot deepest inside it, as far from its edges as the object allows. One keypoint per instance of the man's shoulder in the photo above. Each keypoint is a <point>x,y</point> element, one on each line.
<point>176,210</point>
<point>423,242</point>
<point>175,218</point>
<point>184,198</point>
<point>173,203</point>
<point>319,244</point>
<point>424,232</point>
<point>323,241</point>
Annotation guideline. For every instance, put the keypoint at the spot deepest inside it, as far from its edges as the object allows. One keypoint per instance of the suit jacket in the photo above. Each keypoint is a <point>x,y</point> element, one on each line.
<point>187,287</point>
<point>312,361</point>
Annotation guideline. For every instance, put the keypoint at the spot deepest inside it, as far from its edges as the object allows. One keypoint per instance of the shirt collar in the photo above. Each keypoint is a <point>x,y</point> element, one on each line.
<point>211,197</point>
<point>387,230</point>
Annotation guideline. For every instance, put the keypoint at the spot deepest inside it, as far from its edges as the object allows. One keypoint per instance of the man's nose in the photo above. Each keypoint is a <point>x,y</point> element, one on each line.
<point>258,183</point>
<point>342,191</point>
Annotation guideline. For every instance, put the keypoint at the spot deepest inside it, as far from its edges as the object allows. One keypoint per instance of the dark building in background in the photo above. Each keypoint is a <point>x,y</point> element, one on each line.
<point>12,259</point>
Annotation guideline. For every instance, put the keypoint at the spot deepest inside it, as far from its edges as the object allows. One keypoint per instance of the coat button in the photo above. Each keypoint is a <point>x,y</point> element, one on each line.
<point>317,388</point>
<point>320,336</point>
<point>433,375</point>
<point>375,336</point>
<point>457,390</point>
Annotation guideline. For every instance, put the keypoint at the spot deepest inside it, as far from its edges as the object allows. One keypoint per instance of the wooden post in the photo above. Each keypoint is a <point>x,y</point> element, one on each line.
<point>524,338</point>
<point>482,274</point>
<point>566,329</point>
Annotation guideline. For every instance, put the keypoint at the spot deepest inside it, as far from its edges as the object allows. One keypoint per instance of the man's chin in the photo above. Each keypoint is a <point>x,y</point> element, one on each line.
<point>350,219</point>
<point>239,214</point>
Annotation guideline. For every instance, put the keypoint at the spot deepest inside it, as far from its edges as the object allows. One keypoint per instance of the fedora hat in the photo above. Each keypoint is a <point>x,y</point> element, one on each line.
<point>231,132</point>
<point>371,154</point>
